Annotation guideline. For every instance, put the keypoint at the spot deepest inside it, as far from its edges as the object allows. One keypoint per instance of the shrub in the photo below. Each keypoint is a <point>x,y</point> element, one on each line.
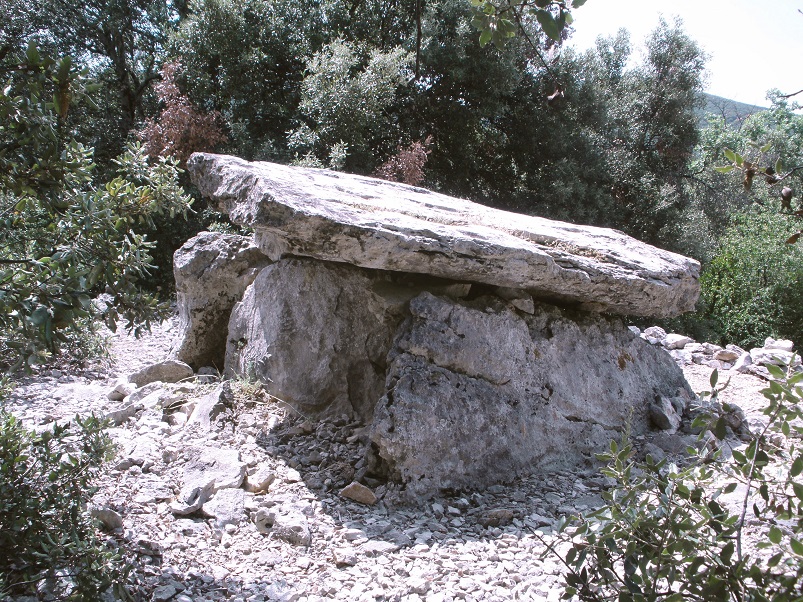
<point>180,128</point>
<point>407,165</point>
<point>65,238</point>
<point>48,543</point>
<point>675,533</point>
<point>754,286</point>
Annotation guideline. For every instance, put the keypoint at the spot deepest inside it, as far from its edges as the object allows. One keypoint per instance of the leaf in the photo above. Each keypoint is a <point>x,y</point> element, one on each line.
<point>721,428</point>
<point>766,147</point>
<point>776,373</point>
<point>727,552</point>
<point>798,489</point>
<point>714,378</point>
<point>578,3</point>
<point>775,535</point>
<point>797,547</point>
<point>778,166</point>
<point>729,155</point>
<point>797,467</point>
<point>485,37</point>
<point>794,238</point>
<point>724,168</point>
<point>549,24</point>
<point>40,316</point>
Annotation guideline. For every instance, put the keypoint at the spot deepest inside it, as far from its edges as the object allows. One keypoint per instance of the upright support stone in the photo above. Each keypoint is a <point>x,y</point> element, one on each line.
<point>212,271</point>
<point>318,333</point>
<point>479,392</point>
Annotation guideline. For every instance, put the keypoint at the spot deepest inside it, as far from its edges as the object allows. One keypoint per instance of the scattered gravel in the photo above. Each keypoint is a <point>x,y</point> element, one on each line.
<point>301,539</point>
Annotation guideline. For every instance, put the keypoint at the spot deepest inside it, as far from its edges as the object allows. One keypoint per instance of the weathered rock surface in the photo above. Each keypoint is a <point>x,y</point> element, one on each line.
<point>168,371</point>
<point>318,333</point>
<point>212,271</point>
<point>382,225</point>
<point>479,393</point>
<point>212,470</point>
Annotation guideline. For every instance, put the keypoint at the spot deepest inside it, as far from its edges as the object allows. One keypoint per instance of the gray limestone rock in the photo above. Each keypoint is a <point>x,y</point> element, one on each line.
<point>778,357</point>
<point>260,479</point>
<point>212,271</point>
<point>359,493</point>
<point>168,371</point>
<point>292,526</point>
<point>390,226</point>
<point>108,517</point>
<point>664,415</point>
<point>122,388</point>
<point>676,341</point>
<point>478,393</point>
<point>318,333</point>
<point>212,405</point>
<point>227,507</point>
<point>214,469</point>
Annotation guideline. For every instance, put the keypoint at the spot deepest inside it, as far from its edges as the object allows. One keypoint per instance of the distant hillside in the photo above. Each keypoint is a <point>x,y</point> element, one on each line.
<point>733,111</point>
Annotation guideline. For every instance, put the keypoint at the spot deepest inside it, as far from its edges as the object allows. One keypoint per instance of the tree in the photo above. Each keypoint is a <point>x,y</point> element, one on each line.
<point>753,288</point>
<point>65,240</point>
<point>246,59</point>
<point>124,36</point>
<point>179,130</point>
<point>346,99</point>
<point>500,20</point>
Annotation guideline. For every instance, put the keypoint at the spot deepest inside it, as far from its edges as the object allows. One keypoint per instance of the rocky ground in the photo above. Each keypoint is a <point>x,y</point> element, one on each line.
<point>278,526</point>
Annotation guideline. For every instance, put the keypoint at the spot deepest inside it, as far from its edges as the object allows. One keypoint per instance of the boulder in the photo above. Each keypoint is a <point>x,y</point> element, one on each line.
<point>212,271</point>
<point>479,393</point>
<point>212,470</point>
<point>383,225</point>
<point>318,333</point>
<point>168,371</point>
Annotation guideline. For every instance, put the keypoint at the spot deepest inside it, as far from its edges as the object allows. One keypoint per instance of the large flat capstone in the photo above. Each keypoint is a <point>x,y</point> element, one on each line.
<point>376,224</point>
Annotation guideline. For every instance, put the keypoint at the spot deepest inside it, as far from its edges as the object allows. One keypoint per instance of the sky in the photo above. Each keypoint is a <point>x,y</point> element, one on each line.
<point>753,45</point>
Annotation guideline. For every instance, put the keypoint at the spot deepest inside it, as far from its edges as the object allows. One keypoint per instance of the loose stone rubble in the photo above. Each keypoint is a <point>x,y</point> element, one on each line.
<point>686,350</point>
<point>277,525</point>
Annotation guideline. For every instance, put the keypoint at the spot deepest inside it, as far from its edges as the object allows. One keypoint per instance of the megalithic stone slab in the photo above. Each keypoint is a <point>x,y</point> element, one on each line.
<point>376,224</point>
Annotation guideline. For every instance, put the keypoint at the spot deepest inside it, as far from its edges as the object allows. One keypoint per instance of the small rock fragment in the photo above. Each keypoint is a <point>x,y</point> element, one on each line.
<point>359,493</point>
<point>121,389</point>
<point>109,518</point>
<point>676,341</point>
<point>293,528</point>
<point>168,371</point>
<point>496,517</point>
<point>259,480</point>
<point>344,557</point>
<point>663,414</point>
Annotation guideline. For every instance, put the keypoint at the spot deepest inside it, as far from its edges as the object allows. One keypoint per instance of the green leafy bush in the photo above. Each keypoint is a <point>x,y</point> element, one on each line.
<point>676,533</point>
<point>48,543</point>
<point>754,286</point>
<point>64,238</point>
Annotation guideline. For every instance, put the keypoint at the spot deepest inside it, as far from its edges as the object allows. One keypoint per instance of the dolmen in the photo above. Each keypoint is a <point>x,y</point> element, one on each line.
<point>476,345</point>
